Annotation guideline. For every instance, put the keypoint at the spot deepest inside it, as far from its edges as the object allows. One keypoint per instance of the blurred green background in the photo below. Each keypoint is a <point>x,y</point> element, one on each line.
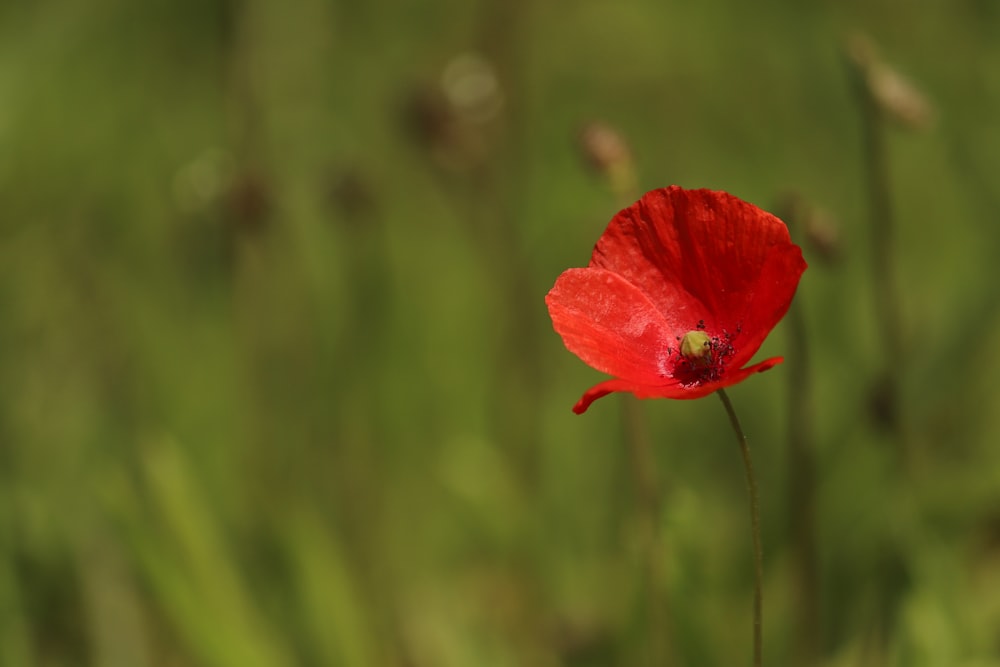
<point>279,386</point>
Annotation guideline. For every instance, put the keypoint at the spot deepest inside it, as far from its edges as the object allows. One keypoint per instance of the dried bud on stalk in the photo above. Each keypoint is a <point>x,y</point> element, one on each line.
<point>603,146</point>
<point>455,117</point>
<point>811,225</point>
<point>894,94</point>
<point>250,202</point>
<point>471,86</point>
<point>823,235</point>
<point>351,193</point>
<point>606,152</point>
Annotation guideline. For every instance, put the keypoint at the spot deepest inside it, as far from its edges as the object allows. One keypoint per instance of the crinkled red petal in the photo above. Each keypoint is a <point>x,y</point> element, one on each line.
<point>735,263</point>
<point>611,325</point>
<point>767,301</point>
<point>674,261</point>
<point>673,390</point>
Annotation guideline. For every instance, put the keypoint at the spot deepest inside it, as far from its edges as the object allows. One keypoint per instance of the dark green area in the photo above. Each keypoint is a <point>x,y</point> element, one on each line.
<point>277,382</point>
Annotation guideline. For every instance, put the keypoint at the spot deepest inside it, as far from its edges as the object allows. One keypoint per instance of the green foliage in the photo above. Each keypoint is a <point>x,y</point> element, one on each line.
<point>279,388</point>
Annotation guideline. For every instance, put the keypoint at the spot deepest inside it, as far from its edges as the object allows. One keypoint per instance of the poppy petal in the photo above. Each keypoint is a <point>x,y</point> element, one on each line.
<point>602,389</point>
<point>767,301</point>
<point>732,377</point>
<point>611,325</point>
<point>710,244</point>
<point>672,390</point>
<point>677,261</point>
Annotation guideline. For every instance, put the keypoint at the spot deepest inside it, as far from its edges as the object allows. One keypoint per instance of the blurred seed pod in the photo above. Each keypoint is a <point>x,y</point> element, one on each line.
<point>580,638</point>
<point>249,202</point>
<point>882,403</point>
<point>214,181</point>
<point>453,118</point>
<point>350,193</point>
<point>893,93</point>
<point>471,86</point>
<point>606,151</point>
<point>812,226</point>
<point>603,146</point>
<point>222,203</point>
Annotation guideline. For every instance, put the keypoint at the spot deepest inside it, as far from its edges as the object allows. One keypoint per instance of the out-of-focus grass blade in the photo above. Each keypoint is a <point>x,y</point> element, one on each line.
<point>195,575</point>
<point>337,617</point>
<point>116,622</point>
<point>14,647</point>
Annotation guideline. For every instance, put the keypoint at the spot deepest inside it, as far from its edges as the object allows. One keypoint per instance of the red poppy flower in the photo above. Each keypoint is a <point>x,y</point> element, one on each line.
<point>680,292</point>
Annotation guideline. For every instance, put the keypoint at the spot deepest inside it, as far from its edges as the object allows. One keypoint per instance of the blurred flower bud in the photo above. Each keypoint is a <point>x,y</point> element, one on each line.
<point>814,227</point>
<point>429,119</point>
<point>471,87</point>
<point>249,202</point>
<point>606,152</point>
<point>351,193</point>
<point>603,146</point>
<point>882,403</point>
<point>894,94</point>
<point>453,116</point>
<point>823,235</point>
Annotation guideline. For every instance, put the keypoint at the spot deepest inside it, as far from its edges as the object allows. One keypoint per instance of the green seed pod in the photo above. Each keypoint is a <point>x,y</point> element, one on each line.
<point>696,345</point>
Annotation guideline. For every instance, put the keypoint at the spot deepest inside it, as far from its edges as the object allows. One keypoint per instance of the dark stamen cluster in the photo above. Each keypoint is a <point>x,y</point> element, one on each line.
<point>709,368</point>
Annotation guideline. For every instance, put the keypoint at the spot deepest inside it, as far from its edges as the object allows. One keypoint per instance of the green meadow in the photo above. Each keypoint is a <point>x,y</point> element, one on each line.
<point>278,386</point>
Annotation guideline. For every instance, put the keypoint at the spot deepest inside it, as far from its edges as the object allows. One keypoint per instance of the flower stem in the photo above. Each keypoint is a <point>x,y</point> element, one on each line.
<point>802,488</point>
<point>885,399</point>
<point>758,551</point>
<point>802,468</point>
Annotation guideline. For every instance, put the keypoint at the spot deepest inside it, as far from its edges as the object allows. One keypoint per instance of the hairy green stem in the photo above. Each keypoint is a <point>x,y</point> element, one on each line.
<point>758,551</point>
<point>885,401</point>
<point>802,491</point>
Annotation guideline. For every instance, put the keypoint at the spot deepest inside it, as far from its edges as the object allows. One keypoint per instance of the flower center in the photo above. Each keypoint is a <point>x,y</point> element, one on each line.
<point>697,347</point>
<point>702,357</point>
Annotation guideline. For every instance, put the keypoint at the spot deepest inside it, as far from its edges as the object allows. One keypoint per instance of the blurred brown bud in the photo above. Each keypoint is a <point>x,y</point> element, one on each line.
<point>351,193</point>
<point>576,638</point>
<point>428,117</point>
<point>812,226</point>
<point>605,150</point>
<point>823,235</point>
<point>249,202</point>
<point>882,403</point>
<point>471,86</point>
<point>894,94</point>
<point>453,116</point>
<point>603,147</point>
